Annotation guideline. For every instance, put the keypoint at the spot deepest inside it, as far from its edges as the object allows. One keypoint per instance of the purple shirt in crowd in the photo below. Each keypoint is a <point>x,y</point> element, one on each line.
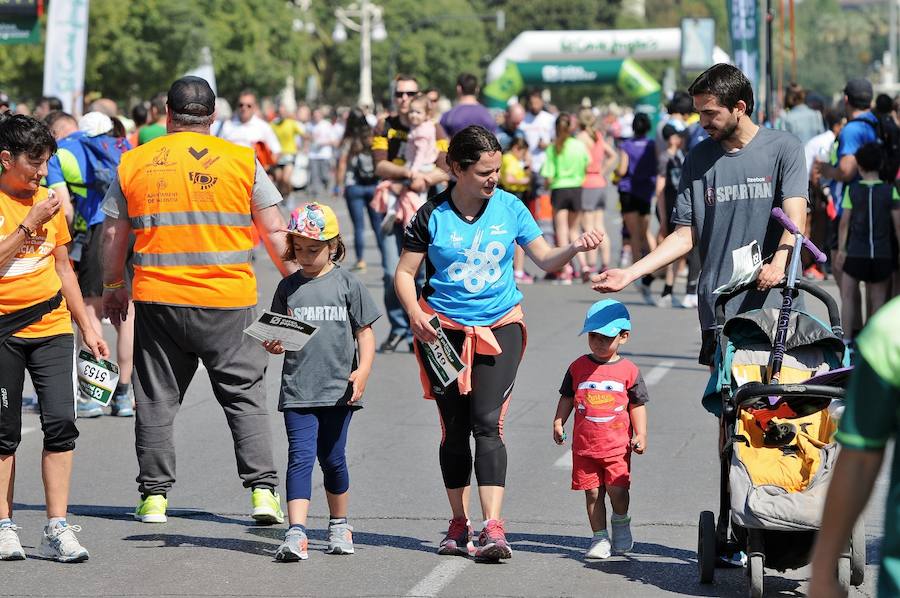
<point>463,115</point>
<point>640,180</point>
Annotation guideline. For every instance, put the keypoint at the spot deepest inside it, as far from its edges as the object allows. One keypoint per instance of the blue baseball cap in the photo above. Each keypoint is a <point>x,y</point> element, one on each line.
<point>607,317</point>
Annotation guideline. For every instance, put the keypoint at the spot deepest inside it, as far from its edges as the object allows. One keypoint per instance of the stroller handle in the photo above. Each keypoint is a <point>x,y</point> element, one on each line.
<point>782,219</point>
<point>834,313</point>
<point>751,392</point>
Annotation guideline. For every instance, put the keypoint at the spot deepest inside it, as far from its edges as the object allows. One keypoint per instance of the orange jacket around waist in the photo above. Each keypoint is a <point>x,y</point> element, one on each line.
<point>189,198</point>
<point>480,340</point>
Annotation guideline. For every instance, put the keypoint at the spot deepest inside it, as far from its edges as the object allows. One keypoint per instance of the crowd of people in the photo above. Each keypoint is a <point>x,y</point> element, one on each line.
<point>160,215</point>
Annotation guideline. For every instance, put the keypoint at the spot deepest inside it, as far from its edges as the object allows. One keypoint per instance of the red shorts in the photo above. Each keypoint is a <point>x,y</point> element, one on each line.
<point>593,472</point>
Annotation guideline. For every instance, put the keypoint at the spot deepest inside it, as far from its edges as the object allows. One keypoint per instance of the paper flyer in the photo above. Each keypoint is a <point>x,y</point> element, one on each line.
<point>293,333</point>
<point>747,262</point>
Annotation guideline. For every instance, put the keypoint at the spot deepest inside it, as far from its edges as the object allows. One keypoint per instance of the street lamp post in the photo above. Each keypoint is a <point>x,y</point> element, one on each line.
<point>370,27</point>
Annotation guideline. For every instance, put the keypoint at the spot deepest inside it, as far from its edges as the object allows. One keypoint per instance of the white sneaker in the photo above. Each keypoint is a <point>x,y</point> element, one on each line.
<point>59,543</point>
<point>667,301</point>
<point>689,301</point>
<point>621,534</point>
<point>10,547</point>
<point>600,547</point>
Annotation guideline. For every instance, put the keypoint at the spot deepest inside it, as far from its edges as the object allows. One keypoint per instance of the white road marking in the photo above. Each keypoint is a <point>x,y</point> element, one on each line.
<point>432,584</point>
<point>657,373</point>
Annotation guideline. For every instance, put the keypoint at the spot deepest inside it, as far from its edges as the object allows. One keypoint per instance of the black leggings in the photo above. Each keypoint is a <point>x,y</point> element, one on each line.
<point>49,361</point>
<point>479,414</point>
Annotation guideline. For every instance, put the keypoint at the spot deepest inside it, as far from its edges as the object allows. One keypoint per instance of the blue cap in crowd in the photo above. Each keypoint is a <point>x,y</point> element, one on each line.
<point>607,317</point>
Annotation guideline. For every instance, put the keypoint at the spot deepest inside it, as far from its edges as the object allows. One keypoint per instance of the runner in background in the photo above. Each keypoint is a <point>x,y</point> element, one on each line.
<point>566,161</point>
<point>637,184</point>
<point>515,178</point>
<point>156,120</point>
<point>71,174</point>
<point>468,111</point>
<point>288,131</point>
<point>356,177</point>
<point>321,153</point>
<point>595,188</point>
<point>249,130</point>
<point>388,150</point>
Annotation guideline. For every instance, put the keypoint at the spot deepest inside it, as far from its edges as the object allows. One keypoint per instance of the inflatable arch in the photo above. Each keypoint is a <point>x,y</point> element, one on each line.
<point>585,57</point>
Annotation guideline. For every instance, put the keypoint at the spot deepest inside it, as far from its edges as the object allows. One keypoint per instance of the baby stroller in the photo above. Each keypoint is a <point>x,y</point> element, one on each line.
<point>777,389</point>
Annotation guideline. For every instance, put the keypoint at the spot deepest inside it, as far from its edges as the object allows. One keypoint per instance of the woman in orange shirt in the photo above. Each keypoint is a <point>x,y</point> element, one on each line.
<point>39,294</point>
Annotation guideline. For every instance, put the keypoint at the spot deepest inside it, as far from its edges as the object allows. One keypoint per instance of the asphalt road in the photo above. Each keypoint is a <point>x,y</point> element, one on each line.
<point>210,547</point>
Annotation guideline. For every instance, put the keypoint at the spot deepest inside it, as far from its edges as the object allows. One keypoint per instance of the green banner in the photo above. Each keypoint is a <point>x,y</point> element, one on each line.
<point>743,27</point>
<point>19,30</point>
<point>631,78</point>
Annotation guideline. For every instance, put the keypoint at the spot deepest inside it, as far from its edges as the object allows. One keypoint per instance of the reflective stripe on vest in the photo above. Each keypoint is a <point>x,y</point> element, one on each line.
<point>189,201</point>
<point>195,258</point>
<point>189,218</point>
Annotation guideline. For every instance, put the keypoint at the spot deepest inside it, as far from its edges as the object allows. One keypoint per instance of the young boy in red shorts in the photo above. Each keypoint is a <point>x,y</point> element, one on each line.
<point>609,398</point>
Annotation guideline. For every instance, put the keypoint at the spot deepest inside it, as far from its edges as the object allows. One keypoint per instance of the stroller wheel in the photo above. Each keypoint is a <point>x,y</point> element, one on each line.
<point>843,574</point>
<point>755,571</point>
<point>858,553</point>
<point>706,546</point>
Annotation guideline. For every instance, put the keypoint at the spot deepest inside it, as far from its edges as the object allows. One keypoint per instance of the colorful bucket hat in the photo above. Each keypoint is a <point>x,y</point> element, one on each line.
<point>314,221</point>
<point>607,317</point>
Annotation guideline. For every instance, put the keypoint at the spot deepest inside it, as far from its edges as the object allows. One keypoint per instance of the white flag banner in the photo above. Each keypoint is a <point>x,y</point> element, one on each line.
<point>65,52</point>
<point>205,69</point>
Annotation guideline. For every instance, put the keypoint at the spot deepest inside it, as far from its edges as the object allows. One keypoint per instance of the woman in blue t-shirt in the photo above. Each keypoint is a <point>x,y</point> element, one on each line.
<point>467,236</point>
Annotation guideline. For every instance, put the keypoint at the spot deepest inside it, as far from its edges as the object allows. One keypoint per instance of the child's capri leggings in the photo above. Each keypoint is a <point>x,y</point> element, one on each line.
<point>317,432</point>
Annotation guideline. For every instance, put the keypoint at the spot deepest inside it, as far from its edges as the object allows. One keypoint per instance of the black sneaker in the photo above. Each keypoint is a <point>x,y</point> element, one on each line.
<point>391,343</point>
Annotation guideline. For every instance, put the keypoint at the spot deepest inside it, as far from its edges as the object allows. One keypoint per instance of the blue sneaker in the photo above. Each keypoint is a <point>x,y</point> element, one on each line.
<point>121,405</point>
<point>88,408</point>
<point>30,404</point>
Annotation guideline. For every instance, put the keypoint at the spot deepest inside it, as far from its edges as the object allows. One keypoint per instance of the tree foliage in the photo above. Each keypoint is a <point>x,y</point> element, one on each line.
<point>137,47</point>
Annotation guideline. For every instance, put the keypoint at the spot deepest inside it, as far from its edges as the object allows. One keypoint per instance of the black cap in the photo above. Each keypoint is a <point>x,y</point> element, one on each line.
<point>668,130</point>
<point>192,95</point>
<point>859,90</point>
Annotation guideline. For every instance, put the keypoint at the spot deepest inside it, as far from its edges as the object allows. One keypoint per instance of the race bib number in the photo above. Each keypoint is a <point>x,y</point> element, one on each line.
<point>97,378</point>
<point>442,357</point>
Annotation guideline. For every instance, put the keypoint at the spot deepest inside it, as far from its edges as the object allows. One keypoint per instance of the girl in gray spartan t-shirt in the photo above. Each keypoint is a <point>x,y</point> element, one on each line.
<point>728,198</point>
<point>322,384</point>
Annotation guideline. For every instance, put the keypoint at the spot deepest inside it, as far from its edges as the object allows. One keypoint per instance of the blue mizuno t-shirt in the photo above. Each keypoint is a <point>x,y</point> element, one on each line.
<point>468,265</point>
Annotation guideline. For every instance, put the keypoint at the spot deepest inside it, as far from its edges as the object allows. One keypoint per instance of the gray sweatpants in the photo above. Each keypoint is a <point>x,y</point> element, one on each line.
<point>168,343</point>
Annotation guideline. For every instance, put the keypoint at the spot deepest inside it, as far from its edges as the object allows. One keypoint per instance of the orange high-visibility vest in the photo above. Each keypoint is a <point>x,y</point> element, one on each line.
<point>189,198</point>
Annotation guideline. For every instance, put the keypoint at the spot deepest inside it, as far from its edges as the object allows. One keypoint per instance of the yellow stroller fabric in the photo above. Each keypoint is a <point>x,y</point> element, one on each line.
<point>781,487</point>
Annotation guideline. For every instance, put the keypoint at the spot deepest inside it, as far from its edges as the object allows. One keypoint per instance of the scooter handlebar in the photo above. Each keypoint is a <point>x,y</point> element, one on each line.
<point>782,219</point>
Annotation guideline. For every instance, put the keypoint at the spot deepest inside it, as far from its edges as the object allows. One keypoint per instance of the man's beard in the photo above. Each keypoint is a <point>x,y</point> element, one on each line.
<point>725,132</point>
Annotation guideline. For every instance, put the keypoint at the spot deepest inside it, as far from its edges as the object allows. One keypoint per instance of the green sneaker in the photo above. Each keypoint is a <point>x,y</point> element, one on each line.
<point>152,509</point>
<point>266,507</point>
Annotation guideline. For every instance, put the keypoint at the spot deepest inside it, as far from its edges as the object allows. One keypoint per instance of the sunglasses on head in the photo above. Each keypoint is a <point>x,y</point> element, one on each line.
<point>400,94</point>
